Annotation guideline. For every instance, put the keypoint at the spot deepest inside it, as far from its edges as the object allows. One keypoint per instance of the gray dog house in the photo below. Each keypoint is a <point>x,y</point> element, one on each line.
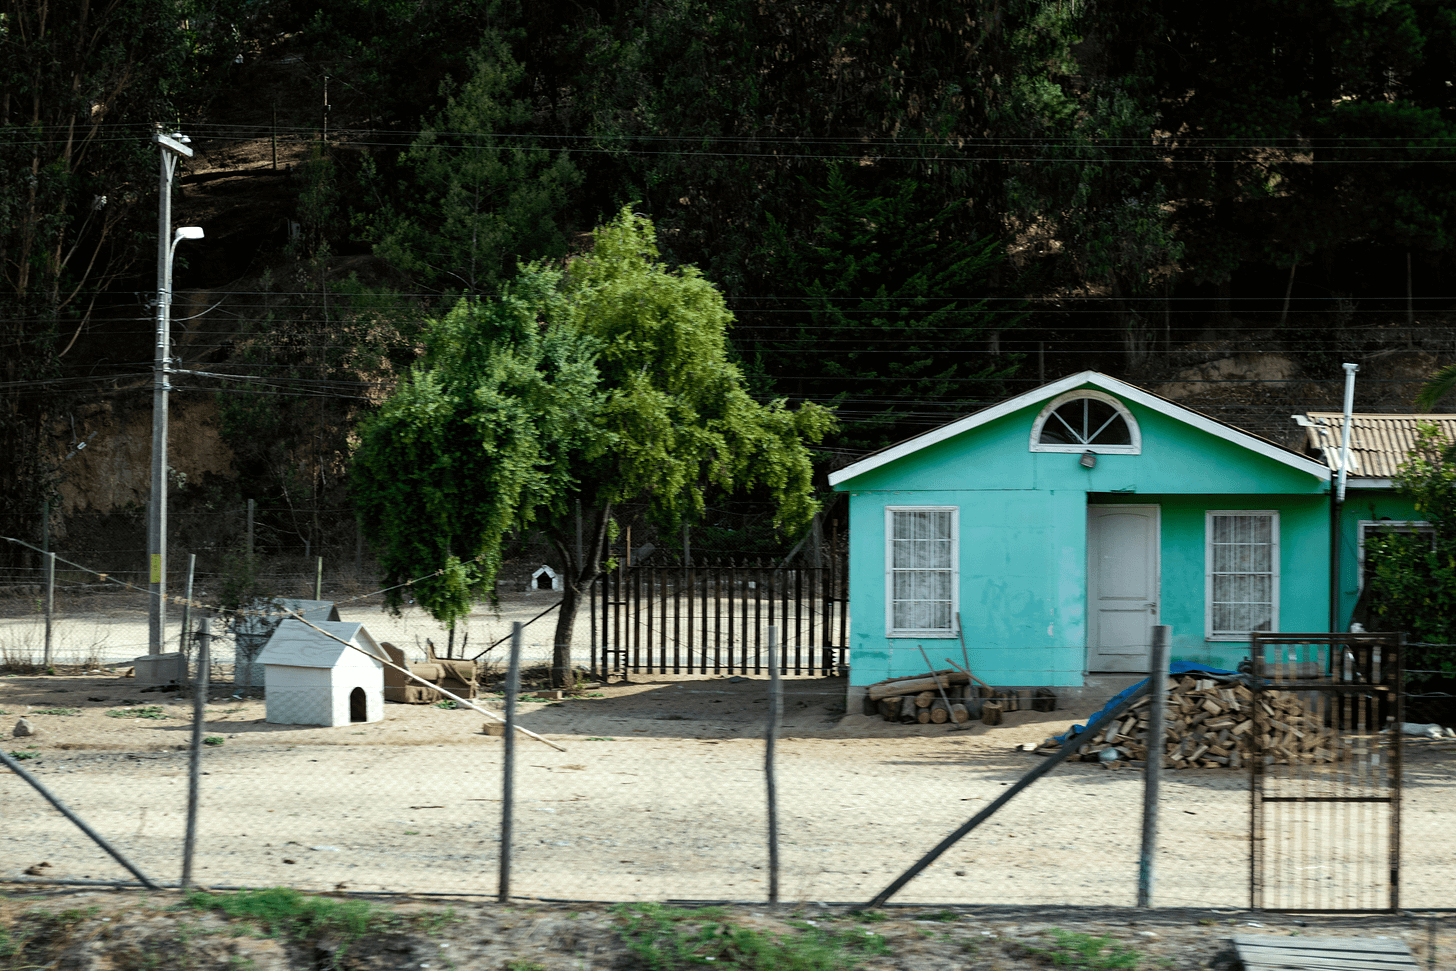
<point>256,625</point>
<point>313,679</point>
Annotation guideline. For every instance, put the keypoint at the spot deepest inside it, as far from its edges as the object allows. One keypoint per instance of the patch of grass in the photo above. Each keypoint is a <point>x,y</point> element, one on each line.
<point>56,711</point>
<point>524,966</point>
<point>1083,951</point>
<point>22,756</point>
<point>674,938</point>
<point>296,916</point>
<point>447,704</point>
<point>944,916</point>
<point>869,916</point>
<point>145,711</point>
<point>213,740</point>
<point>600,738</point>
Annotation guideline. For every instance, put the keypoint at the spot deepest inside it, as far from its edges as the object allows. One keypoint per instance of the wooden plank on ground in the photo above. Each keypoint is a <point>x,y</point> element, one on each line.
<point>1268,952</point>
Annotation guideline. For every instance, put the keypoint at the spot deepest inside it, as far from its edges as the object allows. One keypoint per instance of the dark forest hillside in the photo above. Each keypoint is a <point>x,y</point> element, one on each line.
<point>912,209</point>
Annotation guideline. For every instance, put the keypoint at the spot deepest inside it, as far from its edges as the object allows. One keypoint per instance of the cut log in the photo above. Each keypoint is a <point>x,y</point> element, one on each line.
<point>991,713</point>
<point>913,686</point>
<point>960,714</point>
<point>925,699</point>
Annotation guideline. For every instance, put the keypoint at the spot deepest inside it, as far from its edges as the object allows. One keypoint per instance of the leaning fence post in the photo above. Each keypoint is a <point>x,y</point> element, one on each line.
<point>199,726</point>
<point>508,788</point>
<point>775,714</point>
<point>187,601</point>
<point>50,604</point>
<point>1153,772</point>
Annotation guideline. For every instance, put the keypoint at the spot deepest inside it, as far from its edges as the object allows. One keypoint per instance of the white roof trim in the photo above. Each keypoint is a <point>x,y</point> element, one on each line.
<point>1097,379</point>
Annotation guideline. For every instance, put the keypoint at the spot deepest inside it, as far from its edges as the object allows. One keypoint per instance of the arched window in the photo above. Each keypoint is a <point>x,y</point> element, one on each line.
<point>1086,421</point>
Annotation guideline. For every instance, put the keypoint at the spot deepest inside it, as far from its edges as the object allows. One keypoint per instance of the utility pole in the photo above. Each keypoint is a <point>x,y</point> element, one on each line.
<point>172,147</point>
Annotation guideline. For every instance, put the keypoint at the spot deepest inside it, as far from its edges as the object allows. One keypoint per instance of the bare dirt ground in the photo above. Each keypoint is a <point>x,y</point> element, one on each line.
<point>660,795</point>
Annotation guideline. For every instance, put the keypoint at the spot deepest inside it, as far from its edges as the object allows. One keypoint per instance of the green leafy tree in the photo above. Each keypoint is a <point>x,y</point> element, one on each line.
<point>81,84</point>
<point>474,443</point>
<point>1413,575</point>
<point>551,405</point>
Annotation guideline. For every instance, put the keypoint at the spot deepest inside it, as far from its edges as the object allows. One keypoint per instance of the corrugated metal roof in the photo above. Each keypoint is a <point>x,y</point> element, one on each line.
<point>1378,443</point>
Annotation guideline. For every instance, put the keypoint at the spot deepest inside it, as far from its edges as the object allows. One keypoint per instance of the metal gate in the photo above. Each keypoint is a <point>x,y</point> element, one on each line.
<point>713,619</point>
<point>1326,772</point>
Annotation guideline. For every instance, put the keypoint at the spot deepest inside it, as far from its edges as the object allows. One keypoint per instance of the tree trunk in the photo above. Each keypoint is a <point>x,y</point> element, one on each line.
<point>581,565</point>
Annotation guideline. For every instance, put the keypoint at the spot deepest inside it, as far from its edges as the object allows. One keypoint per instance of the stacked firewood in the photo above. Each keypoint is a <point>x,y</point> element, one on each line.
<point>1211,724</point>
<point>948,696</point>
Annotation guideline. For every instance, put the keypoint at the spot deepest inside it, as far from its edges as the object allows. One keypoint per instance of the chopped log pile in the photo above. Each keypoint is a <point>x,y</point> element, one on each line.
<point>949,696</point>
<point>1212,725</point>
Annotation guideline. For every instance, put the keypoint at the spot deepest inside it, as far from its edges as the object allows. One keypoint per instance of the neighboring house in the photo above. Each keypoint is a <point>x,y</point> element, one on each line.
<point>1061,525</point>
<point>1379,445</point>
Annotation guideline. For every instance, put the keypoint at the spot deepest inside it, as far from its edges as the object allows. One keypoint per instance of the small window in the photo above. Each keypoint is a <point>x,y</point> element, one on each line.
<point>1242,573</point>
<point>1083,421</point>
<point>1374,527</point>
<point>921,572</point>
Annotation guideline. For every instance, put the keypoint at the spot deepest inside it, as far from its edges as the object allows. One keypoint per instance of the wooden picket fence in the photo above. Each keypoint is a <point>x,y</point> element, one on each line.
<point>714,619</point>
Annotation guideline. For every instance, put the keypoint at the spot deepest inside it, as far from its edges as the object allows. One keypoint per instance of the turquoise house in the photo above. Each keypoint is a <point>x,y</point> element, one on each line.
<point>1050,532</point>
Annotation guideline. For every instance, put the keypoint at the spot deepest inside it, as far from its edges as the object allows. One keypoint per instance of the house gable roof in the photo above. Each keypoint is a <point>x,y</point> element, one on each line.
<point>1094,379</point>
<point>296,644</point>
<point>1378,443</point>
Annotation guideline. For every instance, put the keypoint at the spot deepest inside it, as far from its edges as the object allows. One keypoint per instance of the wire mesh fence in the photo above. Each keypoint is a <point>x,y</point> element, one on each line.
<point>660,793</point>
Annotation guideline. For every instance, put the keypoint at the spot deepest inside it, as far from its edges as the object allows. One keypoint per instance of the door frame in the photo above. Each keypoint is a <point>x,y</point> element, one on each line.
<point>1090,601</point>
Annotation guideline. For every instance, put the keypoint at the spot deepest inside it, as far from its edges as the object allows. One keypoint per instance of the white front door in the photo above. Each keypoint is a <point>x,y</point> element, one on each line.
<point>1122,586</point>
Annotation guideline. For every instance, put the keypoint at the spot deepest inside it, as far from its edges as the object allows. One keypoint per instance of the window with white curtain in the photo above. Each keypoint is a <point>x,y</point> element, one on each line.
<point>921,573</point>
<point>1243,573</point>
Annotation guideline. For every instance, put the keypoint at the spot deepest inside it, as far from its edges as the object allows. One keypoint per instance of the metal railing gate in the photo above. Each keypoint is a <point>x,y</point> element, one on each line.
<point>713,619</point>
<point>1325,819</point>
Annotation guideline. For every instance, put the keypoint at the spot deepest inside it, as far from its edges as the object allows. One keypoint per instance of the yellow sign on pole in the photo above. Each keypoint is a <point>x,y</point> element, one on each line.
<point>156,567</point>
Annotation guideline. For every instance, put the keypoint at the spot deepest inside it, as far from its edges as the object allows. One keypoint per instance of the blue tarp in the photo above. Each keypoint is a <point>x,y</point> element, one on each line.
<point>1177,667</point>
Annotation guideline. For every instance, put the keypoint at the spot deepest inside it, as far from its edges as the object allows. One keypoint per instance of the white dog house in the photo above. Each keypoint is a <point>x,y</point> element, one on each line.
<point>312,679</point>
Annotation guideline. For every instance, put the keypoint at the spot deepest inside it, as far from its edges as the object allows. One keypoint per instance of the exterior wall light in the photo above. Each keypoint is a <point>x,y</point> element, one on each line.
<point>1088,460</point>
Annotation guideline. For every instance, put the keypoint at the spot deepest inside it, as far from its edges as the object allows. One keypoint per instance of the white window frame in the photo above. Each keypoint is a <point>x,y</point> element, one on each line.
<point>1368,526</point>
<point>1209,516</point>
<point>955,572</point>
<point>1134,432</point>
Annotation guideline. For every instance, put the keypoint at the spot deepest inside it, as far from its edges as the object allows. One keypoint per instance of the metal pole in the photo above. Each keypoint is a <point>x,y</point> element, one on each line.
<point>508,771</point>
<point>775,715</point>
<point>171,148</point>
<point>50,604</point>
<point>187,601</point>
<point>157,518</point>
<point>199,727</point>
<point>1153,773</point>
<point>318,580</point>
<point>61,807</point>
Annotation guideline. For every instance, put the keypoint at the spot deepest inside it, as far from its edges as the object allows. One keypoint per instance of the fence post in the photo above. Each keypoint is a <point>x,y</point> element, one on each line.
<point>318,580</point>
<point>251,511</point>
<point>50,603</point>
<point>199,725</point>
<point>1153,771</point>
<point>775,713</point>
<point>508,769</point>
<point>187,602</point>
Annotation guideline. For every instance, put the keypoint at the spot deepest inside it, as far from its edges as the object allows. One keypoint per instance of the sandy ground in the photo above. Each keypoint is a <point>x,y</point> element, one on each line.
<point>111,629</point>
<point>660,794</point>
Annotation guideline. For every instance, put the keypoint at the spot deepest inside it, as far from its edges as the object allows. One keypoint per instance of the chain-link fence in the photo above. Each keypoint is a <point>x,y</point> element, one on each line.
<point>655,788</point>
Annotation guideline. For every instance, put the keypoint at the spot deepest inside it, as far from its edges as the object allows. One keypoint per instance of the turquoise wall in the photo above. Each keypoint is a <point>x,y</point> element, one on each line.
<point>1304,556</point>
<point>1023,549</point>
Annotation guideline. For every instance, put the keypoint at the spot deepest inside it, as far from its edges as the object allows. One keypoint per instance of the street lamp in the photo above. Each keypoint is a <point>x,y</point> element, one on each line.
<point>173,146</point>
